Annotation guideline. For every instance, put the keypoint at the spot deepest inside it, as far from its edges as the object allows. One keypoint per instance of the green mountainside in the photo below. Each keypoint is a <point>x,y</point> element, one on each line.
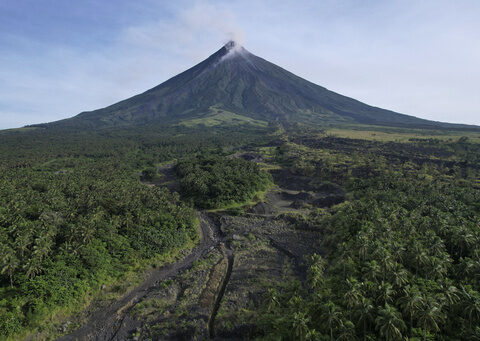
<point>233,86</point>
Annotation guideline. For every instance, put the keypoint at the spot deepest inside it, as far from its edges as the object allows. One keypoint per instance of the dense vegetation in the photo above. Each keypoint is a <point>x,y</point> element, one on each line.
<point>64,234</point>
<point>401,258</point>
<point>74,215</point>
<point>213,181</point>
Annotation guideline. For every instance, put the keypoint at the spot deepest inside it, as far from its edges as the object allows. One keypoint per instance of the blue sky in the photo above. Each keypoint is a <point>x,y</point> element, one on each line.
<point>59,58</point>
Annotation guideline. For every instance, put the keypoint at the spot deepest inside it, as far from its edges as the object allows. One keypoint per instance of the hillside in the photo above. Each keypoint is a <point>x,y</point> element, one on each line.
<point>235,86</point>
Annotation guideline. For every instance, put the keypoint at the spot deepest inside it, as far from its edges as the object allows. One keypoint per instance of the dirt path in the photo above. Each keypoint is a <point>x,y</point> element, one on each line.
<point>218,300</point>
<point>105,323</point>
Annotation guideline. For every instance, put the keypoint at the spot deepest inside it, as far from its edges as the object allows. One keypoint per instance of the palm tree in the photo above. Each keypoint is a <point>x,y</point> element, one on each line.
<point>33,267</point>
<point>347,331</point>
<point>451,294</point>
<point>332,317</point>
<point>437,268</point>
<point>398,251</point>
<point>429,316</point>
<point>390,324</point>
<point>372,271</point>
<point>421,260</point>
<point>24,237</point>
<point>363,243</point>
<point>384,259</point>
<point>385,293</point>
<point>469,267</point>
<point>315,271</point>
<point>312,335</point>
<point>398,275</point>
<point>437,246</point>
<point>353,294</point>
<point>9,262</point>
<point>462,240</point>
<point>363,314</point>
<point>300,325</point>
<point>472,308</point>
<point>23,240</point>
<point>42,246</point>
<point>271,300</point>
<point>411,302</point>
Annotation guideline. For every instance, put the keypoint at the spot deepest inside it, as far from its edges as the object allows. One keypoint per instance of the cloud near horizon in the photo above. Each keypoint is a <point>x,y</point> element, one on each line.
<point>417,58</point>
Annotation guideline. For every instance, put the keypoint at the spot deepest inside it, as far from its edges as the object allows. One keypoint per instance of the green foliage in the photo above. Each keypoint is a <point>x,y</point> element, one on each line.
<point>402,254</point>
<point>400,258</point>
<point>74,215</point>
<point>149,173</point>
<point>212,181</point>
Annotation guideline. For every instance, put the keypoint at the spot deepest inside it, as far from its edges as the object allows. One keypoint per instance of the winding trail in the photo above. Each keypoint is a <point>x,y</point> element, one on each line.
<point>218,300</point>
<point>105,323</point>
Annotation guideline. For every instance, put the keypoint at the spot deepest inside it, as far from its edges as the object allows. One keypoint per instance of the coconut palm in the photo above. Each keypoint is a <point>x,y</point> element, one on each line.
<point>271,300</point>
<point>346,332</point>
<point>385,293</point>
<point>353,294</point>
<point>363,314</point>
<point>300,325</point>
<point>9,262</point>
<point>389,323</point>
<point>372,271</point>
<point>410,302</point>
<point>451,294</point>
<point>315,271</point>
<point>429,316</point>
<point>331,317</point>
<point>363,245</point>
<point>472,308</point>
<point>42,247</point>
<point>398,275</point>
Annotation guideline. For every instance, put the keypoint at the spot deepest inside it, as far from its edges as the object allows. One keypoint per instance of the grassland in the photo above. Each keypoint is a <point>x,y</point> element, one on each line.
<point>386,134</point>
<point>222,117</point>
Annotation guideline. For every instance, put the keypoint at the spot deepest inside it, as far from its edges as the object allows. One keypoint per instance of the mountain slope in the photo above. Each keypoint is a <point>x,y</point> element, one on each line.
<point>236,81</point>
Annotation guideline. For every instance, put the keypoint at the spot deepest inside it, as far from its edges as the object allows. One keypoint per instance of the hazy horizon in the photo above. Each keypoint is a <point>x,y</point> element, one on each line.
<point>59,59</point>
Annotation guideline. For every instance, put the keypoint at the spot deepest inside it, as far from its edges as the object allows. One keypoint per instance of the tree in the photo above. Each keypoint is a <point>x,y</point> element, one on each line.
<point>429,316</point>
<point>331,317</point>
<point>149,173</point>
<point>411,302</point>
<point>24,238</point>
<point>385,293</point>
<point>346,331</point>
<point>353,294</point>
<point>9,262</point>
<point>398,275</point>
<point>451,294</point>
<point>472,308</point>
<point>363,313</point>
<point>372,271</point>
<point>300,325</point>
<point>315,270</point>
<point>271,300</point>
<point>390,324</point>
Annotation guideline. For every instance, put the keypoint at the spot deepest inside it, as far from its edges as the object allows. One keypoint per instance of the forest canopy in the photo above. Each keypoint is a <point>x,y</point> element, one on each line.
<point>213,181</point>
<point>74,214</point>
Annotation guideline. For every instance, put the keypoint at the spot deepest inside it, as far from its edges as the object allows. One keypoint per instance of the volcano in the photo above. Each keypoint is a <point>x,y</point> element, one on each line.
<point>234,85</point>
